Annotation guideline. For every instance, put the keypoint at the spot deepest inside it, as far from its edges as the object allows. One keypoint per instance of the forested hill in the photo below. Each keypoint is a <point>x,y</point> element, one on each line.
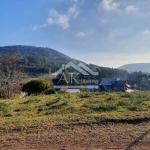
<point>25,51</point>
<point>41,60</point>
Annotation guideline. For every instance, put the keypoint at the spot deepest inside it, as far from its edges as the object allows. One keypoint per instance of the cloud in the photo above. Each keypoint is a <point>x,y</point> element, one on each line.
<point>131,9</point>
<point>146,32</point>
<point>81,34</point>
<point>63,20</point>
<point>58,19</point>
<point>50,21</point>
<point>77,1</point>
<point>73,11</point>
<point>36,27</point>
<point>53,13</point>
<point>110,5</point>
<point>123,8</point>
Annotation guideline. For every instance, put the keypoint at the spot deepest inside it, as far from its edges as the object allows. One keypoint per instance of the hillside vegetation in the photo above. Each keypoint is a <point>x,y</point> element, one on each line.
<point>40,60</point>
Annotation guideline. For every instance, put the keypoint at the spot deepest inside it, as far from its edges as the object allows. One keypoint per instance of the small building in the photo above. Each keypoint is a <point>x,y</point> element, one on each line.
<point>113,85</point>
<point>120,86</point>
<point>106,84</point>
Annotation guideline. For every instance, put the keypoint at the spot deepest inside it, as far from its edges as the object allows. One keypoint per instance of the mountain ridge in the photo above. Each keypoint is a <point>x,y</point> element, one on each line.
<point>43,60</point>
<point>136,67</point>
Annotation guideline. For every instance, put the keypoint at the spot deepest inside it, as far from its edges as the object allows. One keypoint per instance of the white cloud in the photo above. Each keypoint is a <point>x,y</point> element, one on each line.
<point>63,20</point>
<point>81,34</point>
<point>131,9</point>
<point>73,11</point>
<point>110,5</point>
<point>145,32</point>
<point>77,1</point>
<point>122,8</point>
<point>36,27</point>
<point>50,21</point>
<point>58,19</point>
<point>53,13</point>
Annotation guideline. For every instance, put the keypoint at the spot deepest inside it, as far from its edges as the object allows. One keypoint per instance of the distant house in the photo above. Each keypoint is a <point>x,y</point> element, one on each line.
<point>106,84</point>
<point>120,86</point>
<point>113,85</point>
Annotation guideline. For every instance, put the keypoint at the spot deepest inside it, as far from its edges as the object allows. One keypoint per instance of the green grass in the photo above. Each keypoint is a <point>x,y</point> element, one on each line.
<point>45,110</point>
<point>4,108</point>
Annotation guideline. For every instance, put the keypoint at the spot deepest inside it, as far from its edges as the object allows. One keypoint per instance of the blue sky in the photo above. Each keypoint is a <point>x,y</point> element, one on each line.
<point>103,32</point>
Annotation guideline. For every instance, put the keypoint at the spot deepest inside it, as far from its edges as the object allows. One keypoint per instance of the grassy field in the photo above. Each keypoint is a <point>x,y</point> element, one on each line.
<point>40,113</point>
<point>81,107</point>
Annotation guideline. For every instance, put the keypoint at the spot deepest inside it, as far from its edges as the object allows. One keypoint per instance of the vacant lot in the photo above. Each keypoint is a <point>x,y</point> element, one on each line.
<point>76,121</point>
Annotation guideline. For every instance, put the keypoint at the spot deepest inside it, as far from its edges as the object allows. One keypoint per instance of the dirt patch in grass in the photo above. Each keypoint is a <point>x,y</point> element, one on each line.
<point>79,137</point>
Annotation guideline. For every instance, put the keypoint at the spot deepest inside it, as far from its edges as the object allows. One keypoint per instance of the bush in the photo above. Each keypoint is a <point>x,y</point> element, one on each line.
<point>3,94</point>
<point>50,91</point>
<point>37,86</point>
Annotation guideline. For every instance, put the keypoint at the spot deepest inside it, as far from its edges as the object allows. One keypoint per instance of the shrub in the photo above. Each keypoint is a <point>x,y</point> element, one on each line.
<point>50,91</point>
<point>37,86</point>
<point>3,94</point>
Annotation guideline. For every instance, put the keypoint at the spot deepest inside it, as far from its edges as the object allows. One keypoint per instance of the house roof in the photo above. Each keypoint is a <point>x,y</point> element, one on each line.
<point>106,81</point>
<point>119,83</point>
<point>111,81</point>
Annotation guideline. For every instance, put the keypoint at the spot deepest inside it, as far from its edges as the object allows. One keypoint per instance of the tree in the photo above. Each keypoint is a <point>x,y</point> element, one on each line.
<point>142,80</point>
<point>37,86</point>
<point>11,71</point>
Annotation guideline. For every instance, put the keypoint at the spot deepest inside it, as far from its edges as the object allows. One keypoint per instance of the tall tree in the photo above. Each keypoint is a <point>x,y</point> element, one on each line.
<point>11,71</point>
